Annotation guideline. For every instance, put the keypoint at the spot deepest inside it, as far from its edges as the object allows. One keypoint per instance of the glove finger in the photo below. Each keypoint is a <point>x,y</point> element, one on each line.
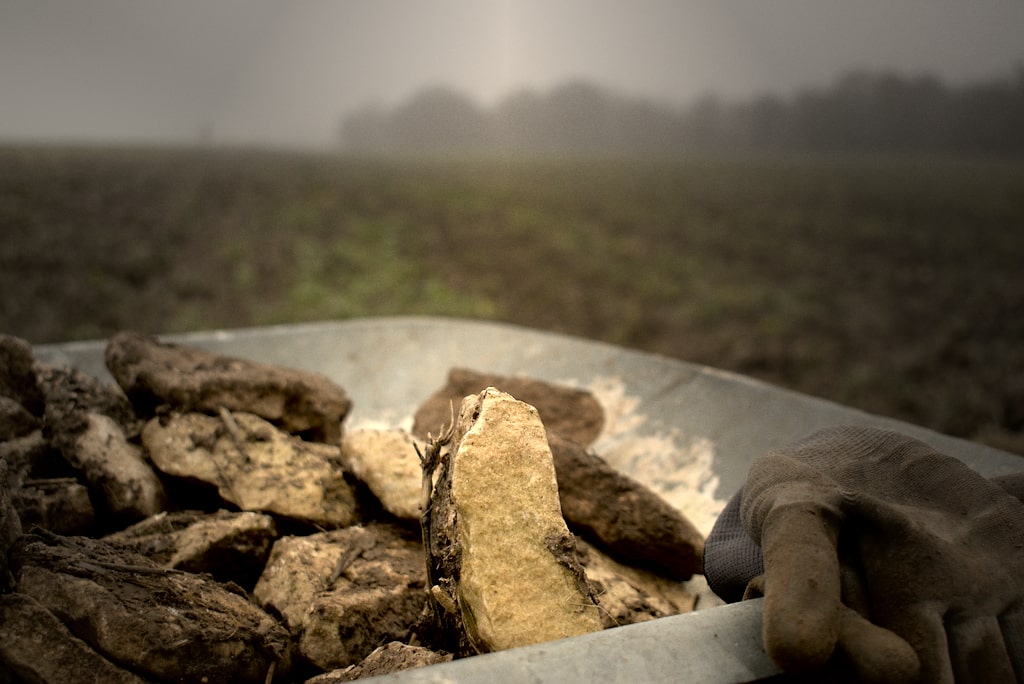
<point>801,587</point>
<point>925,631</point>
<point>977,651</point>
<point>877,655</point>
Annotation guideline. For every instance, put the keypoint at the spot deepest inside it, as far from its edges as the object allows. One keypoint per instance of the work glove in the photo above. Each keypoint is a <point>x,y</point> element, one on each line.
<point>885,559</point>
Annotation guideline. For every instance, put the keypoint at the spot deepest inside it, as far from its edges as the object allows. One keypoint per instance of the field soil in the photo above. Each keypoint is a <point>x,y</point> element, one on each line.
<point>889,284</point>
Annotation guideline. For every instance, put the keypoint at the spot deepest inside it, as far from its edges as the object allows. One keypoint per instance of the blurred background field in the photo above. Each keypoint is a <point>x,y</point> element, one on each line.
<point>826,196</point>
<point>890,283</point>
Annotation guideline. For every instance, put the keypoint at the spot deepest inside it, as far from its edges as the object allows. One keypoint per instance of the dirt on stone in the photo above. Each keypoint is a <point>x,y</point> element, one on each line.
<point>201,589</point>
<point>155,374</point>
<point>163,624</point>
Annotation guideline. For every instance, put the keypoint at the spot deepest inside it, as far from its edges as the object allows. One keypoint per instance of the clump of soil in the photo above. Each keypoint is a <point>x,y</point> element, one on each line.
<point>208,519</point>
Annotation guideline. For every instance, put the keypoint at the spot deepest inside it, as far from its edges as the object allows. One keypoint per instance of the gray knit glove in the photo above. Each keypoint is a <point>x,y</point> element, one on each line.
<point>886,557</point>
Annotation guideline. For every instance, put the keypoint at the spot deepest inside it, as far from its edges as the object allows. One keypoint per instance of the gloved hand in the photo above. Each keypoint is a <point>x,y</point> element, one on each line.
<point>887,557</point>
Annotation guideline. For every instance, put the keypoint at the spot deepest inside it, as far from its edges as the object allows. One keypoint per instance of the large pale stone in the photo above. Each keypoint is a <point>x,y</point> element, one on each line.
<point>344,592</point>
<point>626,519</point>
<point>254,465</point>
<point>573,413</point>
<point>386,461</point>
<point>519,581</point>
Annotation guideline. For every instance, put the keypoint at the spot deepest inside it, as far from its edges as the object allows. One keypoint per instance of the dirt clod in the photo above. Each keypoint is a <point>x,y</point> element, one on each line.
<point>230,546</point>
<point>36,646</point>
<point>343,592</point>
<point>159,623</point>
<point>573,413</point>
<point>93,425</point>
<point>629,521</point>
<point>154,373</point>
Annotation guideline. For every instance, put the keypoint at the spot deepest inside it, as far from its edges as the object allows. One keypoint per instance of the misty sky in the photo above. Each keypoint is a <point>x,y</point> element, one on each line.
<point>283,73</point>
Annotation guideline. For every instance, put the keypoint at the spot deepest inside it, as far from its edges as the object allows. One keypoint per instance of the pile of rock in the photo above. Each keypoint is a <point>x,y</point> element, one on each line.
<point>208,519</point>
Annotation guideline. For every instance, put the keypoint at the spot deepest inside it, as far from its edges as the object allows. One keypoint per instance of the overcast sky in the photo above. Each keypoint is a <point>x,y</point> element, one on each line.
<point>283,73</point>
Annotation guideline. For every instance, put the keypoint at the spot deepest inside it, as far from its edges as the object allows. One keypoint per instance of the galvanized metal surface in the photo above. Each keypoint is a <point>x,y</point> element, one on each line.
<point>718,645</point>
<point>689,432</point>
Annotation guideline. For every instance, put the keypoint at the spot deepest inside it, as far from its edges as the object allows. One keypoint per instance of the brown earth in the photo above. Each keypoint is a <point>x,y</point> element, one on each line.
<point>889,284</point>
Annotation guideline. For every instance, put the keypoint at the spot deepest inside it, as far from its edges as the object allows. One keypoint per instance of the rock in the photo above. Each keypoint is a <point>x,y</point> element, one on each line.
<point>118,470</point>
<point>630,522</point>
<point>188,379</point>
<point>162,624</point>
<point>60,505</point>
<point>386,461</point>
<point>17,374</point>
<point>504,562</point>
<point>10,529</point>
<point>344,592</point>
<point>627,595</point>
<point>91,423</point>
<point>230,546</point>
<point>41,492</point>
<point>72,396</point>
<point>393,657</point>
<point>25,455</point>
<point>254,465</point>
<point>15,420</point>
<point>36,647</point>
<point>573,413</point>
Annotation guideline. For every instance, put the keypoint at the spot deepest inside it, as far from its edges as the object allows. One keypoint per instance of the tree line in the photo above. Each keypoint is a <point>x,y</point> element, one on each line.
<point>859,112</point>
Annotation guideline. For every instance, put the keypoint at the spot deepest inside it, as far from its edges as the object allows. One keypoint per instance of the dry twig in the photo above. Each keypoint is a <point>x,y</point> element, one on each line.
<point>430,458</point>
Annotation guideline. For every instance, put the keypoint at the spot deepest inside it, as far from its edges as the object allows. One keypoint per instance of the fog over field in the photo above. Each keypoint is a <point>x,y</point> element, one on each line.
<point>824,194</point>
<point>259,72</point>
